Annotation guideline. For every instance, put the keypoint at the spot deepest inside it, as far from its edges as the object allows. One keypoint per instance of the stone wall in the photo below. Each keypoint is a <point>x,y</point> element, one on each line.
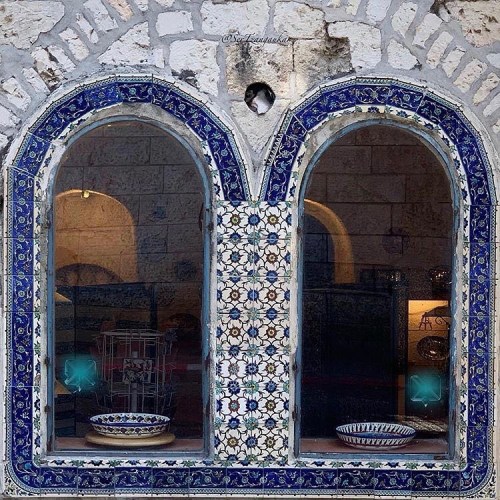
<point>393,196</point>
<point>141,220</point>
<point>220,47</point>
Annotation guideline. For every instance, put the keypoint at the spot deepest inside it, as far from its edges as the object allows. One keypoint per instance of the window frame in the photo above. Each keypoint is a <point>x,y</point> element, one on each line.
<point>208,211</point>
<point>456,271</point>
<point>41,143</point>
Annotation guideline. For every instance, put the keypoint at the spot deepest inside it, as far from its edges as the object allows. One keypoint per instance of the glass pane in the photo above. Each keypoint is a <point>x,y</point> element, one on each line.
<point>128,243</point>
<point>377,259</point>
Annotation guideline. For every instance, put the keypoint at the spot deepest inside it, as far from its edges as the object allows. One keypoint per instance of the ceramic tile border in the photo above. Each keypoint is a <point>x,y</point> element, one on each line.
<point>244,461</point>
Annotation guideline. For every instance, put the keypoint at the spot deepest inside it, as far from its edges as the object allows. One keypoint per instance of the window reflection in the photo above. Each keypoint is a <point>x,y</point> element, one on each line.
<point>128,239</point>
<point>375,347</point>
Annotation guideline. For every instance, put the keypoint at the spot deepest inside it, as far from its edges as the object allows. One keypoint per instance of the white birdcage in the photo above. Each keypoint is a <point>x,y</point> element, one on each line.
<point>136,367</point>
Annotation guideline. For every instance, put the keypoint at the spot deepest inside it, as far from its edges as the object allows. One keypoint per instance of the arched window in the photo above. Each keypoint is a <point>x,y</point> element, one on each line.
<point>377,256</point>
<point>130,211</point>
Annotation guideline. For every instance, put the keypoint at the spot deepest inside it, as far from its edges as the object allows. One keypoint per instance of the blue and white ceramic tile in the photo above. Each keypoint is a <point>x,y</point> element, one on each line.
<point>252,351</point>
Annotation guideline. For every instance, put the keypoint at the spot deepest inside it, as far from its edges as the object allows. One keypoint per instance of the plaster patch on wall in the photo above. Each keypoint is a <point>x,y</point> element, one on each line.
<point>271,63</point>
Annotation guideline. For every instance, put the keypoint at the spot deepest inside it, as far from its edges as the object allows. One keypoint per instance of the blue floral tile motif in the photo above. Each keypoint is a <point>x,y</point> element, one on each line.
<point>405,97</point>
<point>20,257</point>
<point>478,407</point>
<point>58,480</point>
<point>61,114</point>
<point>319,479</point>
<point>23,187</point>
<point>31,154</point>
<point>135,89</point>
<point>96,481</point>
<point>393,480</point>
<point>165,481</point>
<point>282,479</point>
<point>137,479</point>
<point>361,480</point>
<point>374,94</point>
<point>435,481</point>
<point>212,478</point>
<point>102,94</point>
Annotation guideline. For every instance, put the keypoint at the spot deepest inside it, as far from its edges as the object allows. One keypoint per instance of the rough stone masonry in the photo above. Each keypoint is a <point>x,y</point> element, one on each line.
<point>46,44</point>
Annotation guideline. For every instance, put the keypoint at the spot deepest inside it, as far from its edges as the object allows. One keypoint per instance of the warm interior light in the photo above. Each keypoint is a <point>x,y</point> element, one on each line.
<point>85,193</point>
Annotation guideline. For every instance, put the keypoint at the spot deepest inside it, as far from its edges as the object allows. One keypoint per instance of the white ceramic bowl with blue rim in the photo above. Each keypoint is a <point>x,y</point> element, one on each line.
<point>129,425</point>
<point>375,436</point>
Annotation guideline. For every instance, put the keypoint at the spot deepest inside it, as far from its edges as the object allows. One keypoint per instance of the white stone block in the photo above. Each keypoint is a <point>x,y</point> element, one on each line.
<point>496,127</point>
<point>438,48</point>
<point>494,59</point>
<point>22,22</point>
<point>60,56</point>
<point>492,106</point>
<point>429,25</point>
<point>47,67</point>
<point>298,20</point>
<point>75,44</point>
<point>490,83</point>
<point>86,28</point>
<point>142,5</point>
<point>4,140</point>
<point>470,74</point>
<point>198,57</point>
<point>16,94</point>
<point>7,119</point>
<point>171,23</point>
<point>132,48</point>
<point>249,62</point>
<point>403,17</point>
<point>165,3</point>
<point>100,15</point>
<point>480,20</point>
<point>452,60</point>
<point>376,10</point>
<point>122,7</point>
<point>249,17</point>
<point>365,42</point>
<point>400,57</point>
<point>352,7</point>
<point>33,78</point>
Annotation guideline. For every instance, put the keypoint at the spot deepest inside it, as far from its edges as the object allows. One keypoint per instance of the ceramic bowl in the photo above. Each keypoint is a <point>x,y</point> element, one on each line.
<point>375,436</point>
<point>129,425</point>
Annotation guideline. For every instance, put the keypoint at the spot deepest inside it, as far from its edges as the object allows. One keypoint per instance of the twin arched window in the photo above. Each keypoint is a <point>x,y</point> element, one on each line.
<point>129,287</point>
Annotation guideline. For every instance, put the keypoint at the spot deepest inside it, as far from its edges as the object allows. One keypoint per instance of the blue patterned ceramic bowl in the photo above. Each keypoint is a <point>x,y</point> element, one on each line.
<point>375,436</point>
<point>129,425</point>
